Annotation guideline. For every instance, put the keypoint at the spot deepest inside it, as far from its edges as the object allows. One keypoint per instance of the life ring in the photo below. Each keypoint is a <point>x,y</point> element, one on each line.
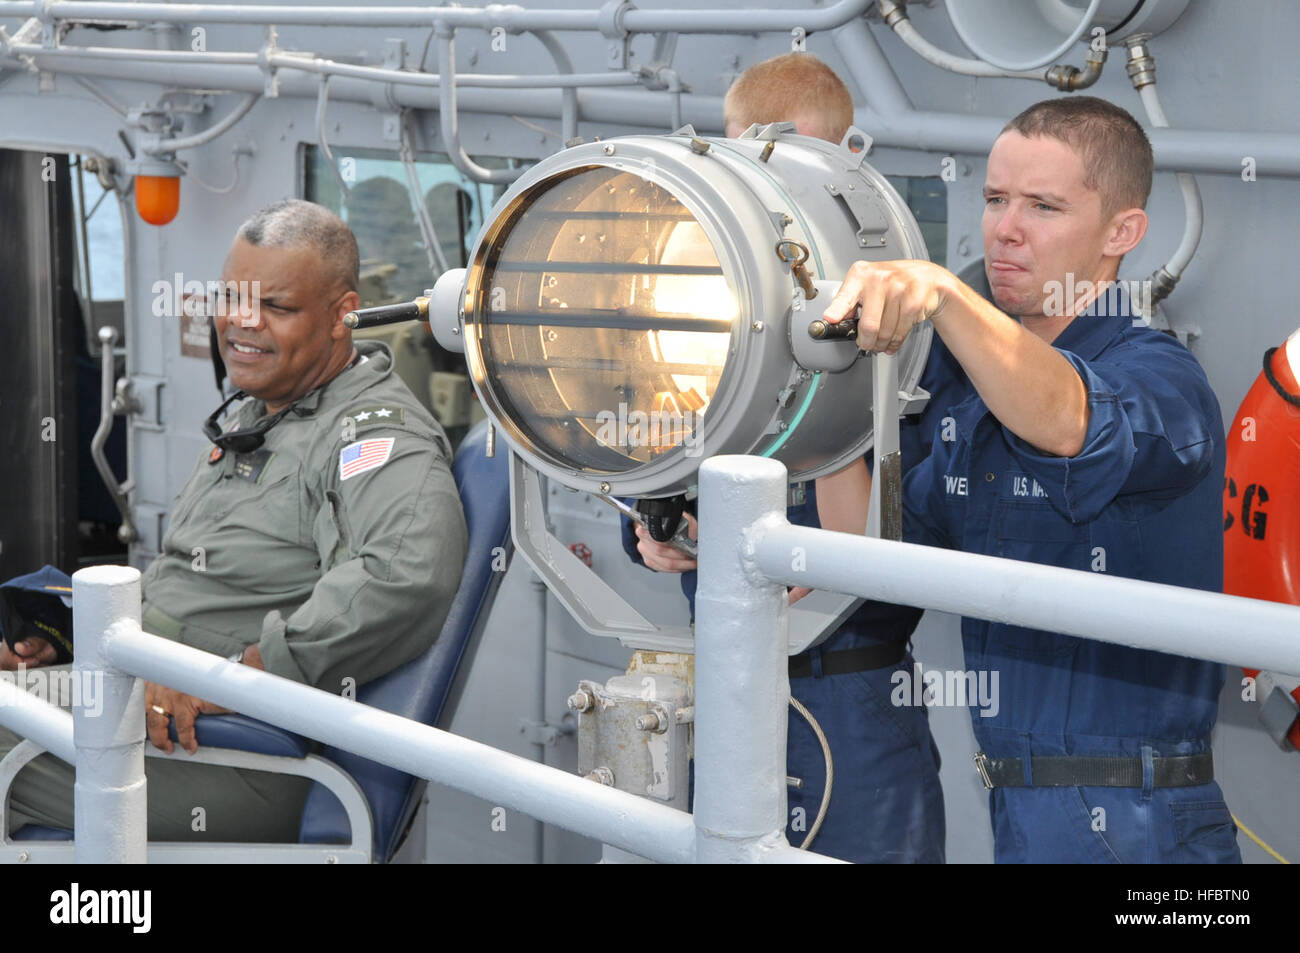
<point>1261,512</point>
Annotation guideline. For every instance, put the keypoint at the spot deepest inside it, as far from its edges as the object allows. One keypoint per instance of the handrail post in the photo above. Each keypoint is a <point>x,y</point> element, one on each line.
<point>742,685</point>
<point>110,811</point>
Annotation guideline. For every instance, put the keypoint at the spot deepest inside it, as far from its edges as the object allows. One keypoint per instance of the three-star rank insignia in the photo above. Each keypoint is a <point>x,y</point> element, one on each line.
<point>376,416</point>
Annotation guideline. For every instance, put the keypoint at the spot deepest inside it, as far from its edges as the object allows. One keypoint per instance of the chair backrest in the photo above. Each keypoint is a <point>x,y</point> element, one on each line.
<point>418,690</point>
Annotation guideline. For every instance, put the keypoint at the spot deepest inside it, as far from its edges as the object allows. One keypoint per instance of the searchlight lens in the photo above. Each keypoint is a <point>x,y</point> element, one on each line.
<point>603,319</point>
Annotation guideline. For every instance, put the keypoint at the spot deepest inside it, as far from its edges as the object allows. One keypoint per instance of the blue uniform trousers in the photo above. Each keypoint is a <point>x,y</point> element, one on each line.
<point>886,801</point>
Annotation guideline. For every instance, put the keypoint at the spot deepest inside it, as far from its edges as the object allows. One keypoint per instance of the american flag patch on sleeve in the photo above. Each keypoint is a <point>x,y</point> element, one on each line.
<point>364,455</point>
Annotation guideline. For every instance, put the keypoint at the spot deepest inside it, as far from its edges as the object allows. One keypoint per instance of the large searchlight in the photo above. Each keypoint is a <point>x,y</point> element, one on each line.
<point>637,305</point>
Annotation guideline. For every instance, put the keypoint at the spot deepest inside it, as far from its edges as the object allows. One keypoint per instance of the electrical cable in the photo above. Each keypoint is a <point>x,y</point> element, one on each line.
<point>185,167</point>
<point>322,103</point>
<point>1251,834</point>
<point>536,128</point>
<point>830,771</point>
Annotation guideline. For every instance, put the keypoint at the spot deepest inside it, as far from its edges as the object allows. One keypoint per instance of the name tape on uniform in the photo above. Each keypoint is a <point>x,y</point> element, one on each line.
<point>364,455</point>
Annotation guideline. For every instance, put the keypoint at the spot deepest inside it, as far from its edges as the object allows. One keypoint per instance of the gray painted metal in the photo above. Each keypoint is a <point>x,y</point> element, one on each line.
<point>1220,71</point>
<point>613,18</point>
<point>1182,149</point>
<point>649,761</point>
<point>595,605</point>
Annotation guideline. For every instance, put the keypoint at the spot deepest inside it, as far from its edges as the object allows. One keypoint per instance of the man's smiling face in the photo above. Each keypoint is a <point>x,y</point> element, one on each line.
<point>286,340</point>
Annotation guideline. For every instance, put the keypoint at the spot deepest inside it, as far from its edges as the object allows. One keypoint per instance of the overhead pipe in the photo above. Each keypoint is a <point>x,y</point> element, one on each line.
<point>742,21</point>
<point>315,64</point>
<point>895,15</point>
<point>1142,71</point>
<point>167,146</point>
<point>866,62</point>
<point>1063,77</point>
<point>512,17</point>
<point>1186,150</point>
<point>449,119</point>
<point>569,97</point>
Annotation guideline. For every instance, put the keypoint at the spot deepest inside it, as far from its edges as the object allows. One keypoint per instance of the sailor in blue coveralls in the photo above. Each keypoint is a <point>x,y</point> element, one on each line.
<point>886,801</point>
<point>1090,442</point>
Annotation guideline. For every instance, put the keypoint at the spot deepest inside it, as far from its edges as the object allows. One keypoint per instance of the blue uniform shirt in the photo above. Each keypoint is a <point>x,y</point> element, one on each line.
<point>1141,500</point>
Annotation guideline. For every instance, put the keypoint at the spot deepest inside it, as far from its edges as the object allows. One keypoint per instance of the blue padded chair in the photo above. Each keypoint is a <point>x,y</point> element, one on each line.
<point>417,690</point>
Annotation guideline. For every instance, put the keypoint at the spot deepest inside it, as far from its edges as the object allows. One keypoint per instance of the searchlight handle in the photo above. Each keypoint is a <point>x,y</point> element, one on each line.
<point>417,310</point>
<point>825,331</point>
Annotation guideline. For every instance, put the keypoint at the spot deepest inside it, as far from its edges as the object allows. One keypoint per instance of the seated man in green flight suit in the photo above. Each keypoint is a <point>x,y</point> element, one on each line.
<point>321,538</point>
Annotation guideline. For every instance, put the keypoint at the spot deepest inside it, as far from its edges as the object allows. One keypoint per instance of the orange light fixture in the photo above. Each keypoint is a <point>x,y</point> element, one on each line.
<point>157,198</point>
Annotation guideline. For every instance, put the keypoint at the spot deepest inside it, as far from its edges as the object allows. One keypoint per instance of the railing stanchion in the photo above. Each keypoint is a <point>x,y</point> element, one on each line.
<point>742,685</point>
<point>110,810</point>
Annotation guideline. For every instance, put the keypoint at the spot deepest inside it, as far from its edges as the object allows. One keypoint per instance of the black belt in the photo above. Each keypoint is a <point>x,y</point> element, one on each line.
<point>1178,772</point>
<point>865,659</point>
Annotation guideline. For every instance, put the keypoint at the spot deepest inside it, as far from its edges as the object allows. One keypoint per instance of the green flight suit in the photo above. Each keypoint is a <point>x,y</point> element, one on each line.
<point>337,547</point>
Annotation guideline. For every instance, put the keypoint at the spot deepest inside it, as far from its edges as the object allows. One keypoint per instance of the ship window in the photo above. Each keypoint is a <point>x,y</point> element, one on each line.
<point>101,256</point>
<point>394,263</point>
<point>927,198</point>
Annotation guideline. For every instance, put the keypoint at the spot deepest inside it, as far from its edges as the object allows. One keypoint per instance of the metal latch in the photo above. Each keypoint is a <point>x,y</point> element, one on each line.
<point>1278,713</point>
<point>863,206</point>
<point>982,766</point>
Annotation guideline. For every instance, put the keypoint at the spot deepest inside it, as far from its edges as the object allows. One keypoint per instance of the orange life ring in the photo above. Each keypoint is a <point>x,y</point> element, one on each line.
<point>1261,514</point>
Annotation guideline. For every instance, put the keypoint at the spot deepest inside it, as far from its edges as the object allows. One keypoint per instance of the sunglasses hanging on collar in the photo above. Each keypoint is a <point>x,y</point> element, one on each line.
<point>246,441</point>
<point>240,441</point>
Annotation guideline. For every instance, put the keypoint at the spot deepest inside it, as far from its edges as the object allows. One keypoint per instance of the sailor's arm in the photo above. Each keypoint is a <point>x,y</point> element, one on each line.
<point>843,498</point>
<point>1032,389</point>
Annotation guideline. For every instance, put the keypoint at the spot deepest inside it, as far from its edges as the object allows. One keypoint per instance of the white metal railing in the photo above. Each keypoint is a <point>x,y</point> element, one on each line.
<point>749,491</point>
<point>746,560</point>
<point>1254,633</point>
<point>110,805</point>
